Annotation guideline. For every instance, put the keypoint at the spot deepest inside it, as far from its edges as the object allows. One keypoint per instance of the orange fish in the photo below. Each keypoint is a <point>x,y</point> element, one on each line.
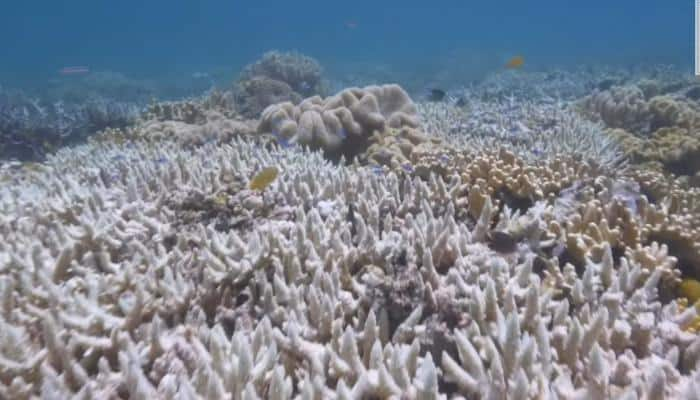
<point>515,62</point>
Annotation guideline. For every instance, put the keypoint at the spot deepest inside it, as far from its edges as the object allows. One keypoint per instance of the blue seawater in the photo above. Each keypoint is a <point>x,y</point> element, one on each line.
<point>164,39</point>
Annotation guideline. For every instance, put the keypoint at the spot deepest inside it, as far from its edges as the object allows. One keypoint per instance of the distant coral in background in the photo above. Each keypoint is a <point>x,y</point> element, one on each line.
<point>193,110</point>
<point>534,130</point>
<point>255,94</point>
<point>302,73</point>
<point>657,123</point>
<point>277,77</point>
<point>31,127</point>
<point>108,84</point>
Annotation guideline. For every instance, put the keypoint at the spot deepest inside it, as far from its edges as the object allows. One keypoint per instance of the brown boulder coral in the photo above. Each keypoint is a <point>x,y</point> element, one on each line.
<point>346,124</point>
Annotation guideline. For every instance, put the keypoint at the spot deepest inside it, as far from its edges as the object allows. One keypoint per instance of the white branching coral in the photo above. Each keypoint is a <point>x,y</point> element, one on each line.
<point>533,131</point>
<point>154,272</point>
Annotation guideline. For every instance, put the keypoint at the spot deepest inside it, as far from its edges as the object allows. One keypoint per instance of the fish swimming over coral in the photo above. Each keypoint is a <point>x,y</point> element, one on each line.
<point>516,62</point>
<point>80,70</point>
<point>263,179</point>
<point>690,289</point>
<point>436,95</point>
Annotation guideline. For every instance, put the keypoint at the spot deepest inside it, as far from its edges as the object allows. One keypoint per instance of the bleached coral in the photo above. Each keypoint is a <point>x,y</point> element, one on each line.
<point>534,131</point>
<point>349,284</point>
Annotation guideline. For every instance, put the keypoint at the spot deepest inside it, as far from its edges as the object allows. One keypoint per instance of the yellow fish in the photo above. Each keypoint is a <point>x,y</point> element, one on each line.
<point>221,199</point>
<point>263,179</point>
<point>515,62</point>
<point>32,166</point>
<point>690,289</point>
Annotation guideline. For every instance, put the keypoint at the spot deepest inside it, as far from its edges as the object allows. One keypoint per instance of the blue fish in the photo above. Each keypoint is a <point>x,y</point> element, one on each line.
<point>160,160</point>
<point>281,140</point>
<point>377,170</point>
<point>444,158</point>
<point>407,167</point>
<point>537,152</point>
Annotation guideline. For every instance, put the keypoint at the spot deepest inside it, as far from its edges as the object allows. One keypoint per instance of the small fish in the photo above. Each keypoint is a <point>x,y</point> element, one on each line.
<point>377,170</point>
<point>263,179</point>
<point>606,84</point>
<point>502,242</point>
<point>119,157</point>
<point>342,133</point>
<point>407,167</point>
<point>74,70</point>
<point>200,75</point>
<point>515,62</point>
<point>305,86</point>
<point>221,199</point>
<point>351,24</point>
<point>690,289</point>
<point>536,151</point>
<point>160,160</point>
<point>444,158</point>
<point>351,219</point>
<point>281,140</point>
<point>436,95</point>
<point>32,166</point>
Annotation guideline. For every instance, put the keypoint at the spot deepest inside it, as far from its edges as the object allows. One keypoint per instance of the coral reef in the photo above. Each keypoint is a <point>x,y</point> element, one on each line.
<point>495,246</point>
<point>152,271</point>
<point>277,77</point>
